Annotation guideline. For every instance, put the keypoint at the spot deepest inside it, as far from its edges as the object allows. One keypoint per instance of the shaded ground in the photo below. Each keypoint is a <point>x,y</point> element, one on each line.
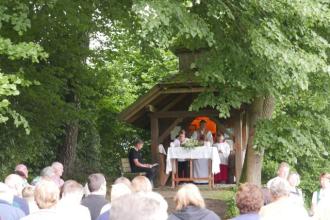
<point>215,199</point>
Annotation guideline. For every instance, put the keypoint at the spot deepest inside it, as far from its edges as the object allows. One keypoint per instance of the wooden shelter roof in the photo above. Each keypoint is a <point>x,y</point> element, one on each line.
<point>175,94</point>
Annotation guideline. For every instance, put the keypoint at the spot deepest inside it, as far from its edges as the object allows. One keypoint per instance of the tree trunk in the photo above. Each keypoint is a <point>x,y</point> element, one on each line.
<point>262,108</point>
<point>68,150</point>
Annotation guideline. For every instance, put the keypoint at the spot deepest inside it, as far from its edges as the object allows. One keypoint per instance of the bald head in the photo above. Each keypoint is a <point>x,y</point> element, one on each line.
<point>22,170</point>
<point>141,184</point>
<point>15,183</point>
<point>58,168</point>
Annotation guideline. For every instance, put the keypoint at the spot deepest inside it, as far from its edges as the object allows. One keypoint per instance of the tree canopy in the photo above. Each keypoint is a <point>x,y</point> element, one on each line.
<point>272,56</point>
<point>276,51</point>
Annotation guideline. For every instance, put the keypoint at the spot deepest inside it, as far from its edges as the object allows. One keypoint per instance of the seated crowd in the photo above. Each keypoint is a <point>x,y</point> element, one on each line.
<point>49,197</point>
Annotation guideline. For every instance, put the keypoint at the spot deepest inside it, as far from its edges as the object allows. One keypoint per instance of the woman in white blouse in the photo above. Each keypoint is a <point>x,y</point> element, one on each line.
<point>224,151</point>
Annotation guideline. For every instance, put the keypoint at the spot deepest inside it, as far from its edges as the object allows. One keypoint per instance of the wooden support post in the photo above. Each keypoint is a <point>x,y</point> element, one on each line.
<point>154,138</point>
<point>238,145</point>
<point>154,146</point>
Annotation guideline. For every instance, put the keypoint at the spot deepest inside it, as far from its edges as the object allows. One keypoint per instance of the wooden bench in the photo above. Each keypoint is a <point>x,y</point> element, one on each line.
<point>126,169</point>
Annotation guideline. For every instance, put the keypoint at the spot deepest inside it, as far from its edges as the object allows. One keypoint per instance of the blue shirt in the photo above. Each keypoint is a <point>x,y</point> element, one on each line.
<point>9,212</point>
<point>104,216</point>
<point>249,216</point>
<point>21,204</point>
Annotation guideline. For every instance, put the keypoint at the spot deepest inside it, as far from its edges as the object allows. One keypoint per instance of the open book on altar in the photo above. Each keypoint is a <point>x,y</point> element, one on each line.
<point>154,165</point>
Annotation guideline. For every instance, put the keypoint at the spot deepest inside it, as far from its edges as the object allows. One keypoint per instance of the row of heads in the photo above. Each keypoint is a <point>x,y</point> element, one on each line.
<point>283,171</point>
<point>56,168</point>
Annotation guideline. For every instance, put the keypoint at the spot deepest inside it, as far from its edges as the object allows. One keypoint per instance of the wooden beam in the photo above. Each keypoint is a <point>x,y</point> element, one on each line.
<point>140,103</point>
<point>151,108</point>
<point>169,129</point>
<point>182,114</point>
<point>238,145</point>
<point>185,90</point>
<point>154,138</point>
<point>173,103</point>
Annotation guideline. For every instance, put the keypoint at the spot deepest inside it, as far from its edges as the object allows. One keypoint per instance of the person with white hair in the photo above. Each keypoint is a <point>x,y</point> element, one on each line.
<point>295,193</point>
<point>123,180</point>
<point>7,210</point>
<point>47,172</point>
<point>282,206</point>
<point>139,206</point>
<point>282,173</point>
<point>69,206</point>
<point>141,184</point>
<point>58,171</point>
<point>46,196</point>
<point>190,205</point>
<point>15,184</point>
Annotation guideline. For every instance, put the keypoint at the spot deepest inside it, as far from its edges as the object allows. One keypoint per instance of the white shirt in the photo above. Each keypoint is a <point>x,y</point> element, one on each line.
<point>323,194</point>
<point>69,210</point>
<point>296,196</point>
<point>322,211</point>
<point>225,151</point>
<point>32,206</point>
<point>208,136</point>
<point>43,214</point>
<point>283,209</point>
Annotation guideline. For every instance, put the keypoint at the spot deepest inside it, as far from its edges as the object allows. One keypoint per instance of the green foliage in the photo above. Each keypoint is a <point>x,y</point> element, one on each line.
<point>232,210</point>
<point>130,70</point>
<point>14,16</point>
<point>255,49</point>
<point>76,83</point>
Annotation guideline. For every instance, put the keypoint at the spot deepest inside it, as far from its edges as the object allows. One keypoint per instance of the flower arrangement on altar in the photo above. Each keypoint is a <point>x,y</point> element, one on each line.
<point>190,143</point>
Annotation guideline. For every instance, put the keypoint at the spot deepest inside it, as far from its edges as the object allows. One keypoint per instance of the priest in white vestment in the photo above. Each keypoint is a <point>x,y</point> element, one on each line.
<point>201,167</point>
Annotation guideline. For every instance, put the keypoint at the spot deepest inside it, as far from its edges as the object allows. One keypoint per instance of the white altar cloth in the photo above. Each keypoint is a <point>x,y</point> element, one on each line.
<point>194,153</point>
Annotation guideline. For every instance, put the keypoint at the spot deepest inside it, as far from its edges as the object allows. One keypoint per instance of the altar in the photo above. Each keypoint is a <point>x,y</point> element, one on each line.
<point>190,154</point>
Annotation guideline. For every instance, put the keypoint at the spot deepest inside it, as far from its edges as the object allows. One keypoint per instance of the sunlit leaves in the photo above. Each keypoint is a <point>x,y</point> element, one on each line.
<point>14,14</point>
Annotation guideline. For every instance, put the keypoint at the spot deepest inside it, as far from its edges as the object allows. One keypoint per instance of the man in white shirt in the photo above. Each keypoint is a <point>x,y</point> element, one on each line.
<point>224,151</point>
<point>322,211</point>
<point>323,193</point>
<point>69,206</point>
<point>282,173</point>
<point>282,206</point>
